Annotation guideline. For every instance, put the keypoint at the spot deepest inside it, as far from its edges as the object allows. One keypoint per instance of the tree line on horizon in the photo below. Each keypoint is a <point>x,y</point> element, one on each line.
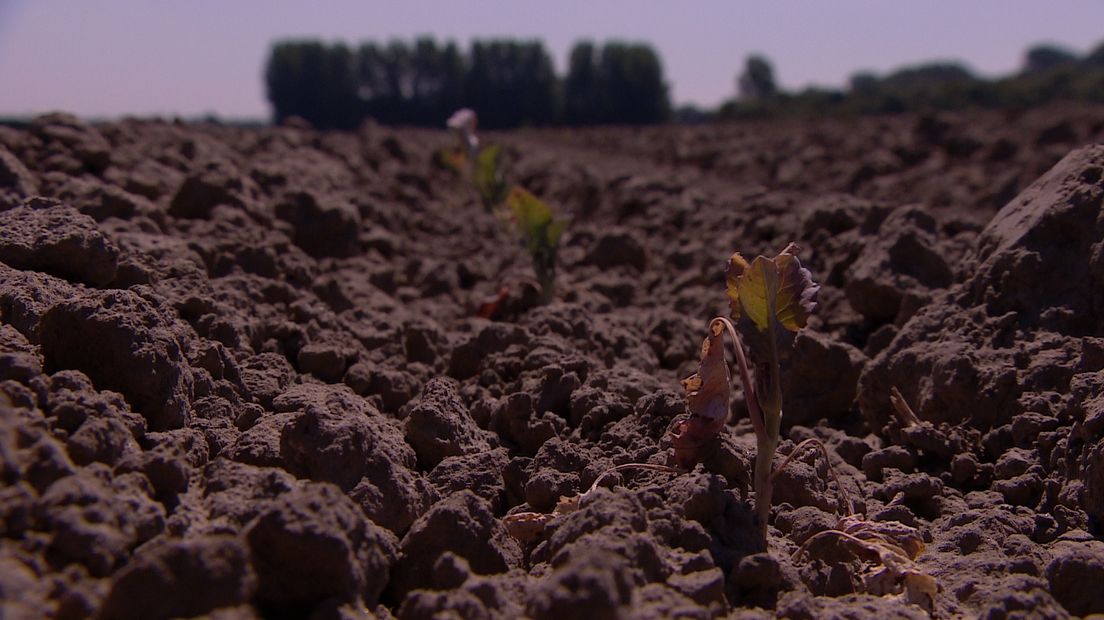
<point>1048,73</point>
<point>510,83</point>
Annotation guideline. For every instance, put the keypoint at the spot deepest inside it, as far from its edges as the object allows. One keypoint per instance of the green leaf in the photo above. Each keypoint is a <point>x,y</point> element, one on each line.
<point>770,290</point>
<point>488,176</point>
<point>540,234</point>
<point>757,288</point>
<point>539,228</point>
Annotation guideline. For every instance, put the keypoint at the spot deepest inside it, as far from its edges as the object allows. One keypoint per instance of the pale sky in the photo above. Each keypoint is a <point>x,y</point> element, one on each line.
<point>106,58</point>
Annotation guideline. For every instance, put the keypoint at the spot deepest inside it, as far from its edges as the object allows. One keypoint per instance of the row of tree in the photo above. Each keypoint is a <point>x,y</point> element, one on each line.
<point>1048,73</point>
<point>511,83</point>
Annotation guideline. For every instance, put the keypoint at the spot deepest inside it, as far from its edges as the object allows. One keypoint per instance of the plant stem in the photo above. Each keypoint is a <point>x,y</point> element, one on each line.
<point>544,265</point>
<point>750,397</point>
<point>764,485</point>
<point>771,404</point>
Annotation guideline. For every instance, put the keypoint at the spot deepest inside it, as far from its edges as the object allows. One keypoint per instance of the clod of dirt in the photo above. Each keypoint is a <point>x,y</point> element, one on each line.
<point>618,248</point>
<point>321,228</point>
<point>75,146</point>
<point>123,343</point>
<point>16,182</point>
<point>821,380</point>
<point>1036,273</point>
<point>214,186</point>
<point>98,522</point>
<point>314,544</point>
<point>439,425</point>
<point>891,278</point>
<point>182,578</point>
<point>59,241</point>
<point>463,524</point>
<point>1075,575</point>
<point>334,436</point>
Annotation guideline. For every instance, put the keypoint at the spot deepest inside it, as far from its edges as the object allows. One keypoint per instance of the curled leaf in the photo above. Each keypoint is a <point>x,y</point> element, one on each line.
<point>529,526</point>
<point>890,548</point>
<point>707,391</point>
<point>771,290</point>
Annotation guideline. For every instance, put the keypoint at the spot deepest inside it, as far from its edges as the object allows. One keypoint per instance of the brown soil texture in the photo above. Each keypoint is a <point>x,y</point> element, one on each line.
<point>244,375</point>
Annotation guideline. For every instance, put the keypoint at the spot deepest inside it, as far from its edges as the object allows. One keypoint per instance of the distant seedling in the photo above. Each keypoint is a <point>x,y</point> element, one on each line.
<point>488,178</point>
<point>482,165</point>
<point>540,232</point>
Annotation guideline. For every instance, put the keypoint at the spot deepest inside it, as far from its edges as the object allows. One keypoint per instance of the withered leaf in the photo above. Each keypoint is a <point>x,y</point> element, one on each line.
<point>527,526</point>
<point>707,391</point>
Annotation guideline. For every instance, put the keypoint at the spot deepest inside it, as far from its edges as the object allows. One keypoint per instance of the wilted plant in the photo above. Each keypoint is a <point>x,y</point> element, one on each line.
<point>540,232</point>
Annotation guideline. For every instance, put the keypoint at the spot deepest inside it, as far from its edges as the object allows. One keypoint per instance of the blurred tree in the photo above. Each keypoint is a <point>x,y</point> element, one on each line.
<point>1045,57</point>
<point>633,90</point>
<point>757,80</point>
<point>621,83</point>
<point>511,83</point>
<point>863,83</point>
<point>1095,57</point>
<point>314,81</point>
<point>410,85</point>
<point>581,90</point>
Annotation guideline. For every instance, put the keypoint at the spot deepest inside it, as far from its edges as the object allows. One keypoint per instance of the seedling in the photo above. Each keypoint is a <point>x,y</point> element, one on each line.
<point>770,300</point>
<point>540,234</point>
<point>488,178</point>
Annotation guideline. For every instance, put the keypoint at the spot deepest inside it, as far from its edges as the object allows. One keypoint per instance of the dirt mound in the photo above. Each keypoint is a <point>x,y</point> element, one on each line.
<point>243,369</point>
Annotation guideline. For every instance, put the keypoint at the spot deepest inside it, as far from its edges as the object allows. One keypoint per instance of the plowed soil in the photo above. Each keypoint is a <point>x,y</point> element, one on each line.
<point>243,372</point>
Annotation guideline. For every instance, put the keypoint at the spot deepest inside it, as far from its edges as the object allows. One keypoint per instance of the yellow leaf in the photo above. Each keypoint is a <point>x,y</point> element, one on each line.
<point>757,290</point>
<point>771,289</point>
